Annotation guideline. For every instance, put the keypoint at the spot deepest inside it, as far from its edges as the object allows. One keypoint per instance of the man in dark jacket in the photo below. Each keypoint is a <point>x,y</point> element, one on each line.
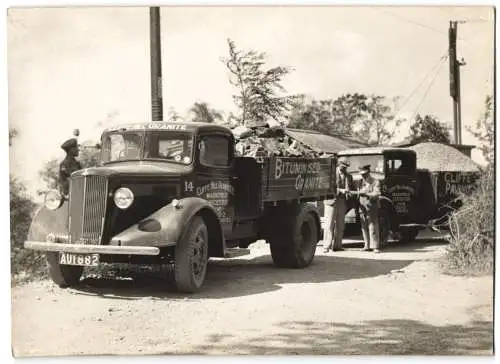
<point>68,165</point>
<point>336,209</point>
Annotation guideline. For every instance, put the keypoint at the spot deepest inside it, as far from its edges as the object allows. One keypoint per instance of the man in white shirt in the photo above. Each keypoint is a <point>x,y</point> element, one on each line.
<point>369,193</point>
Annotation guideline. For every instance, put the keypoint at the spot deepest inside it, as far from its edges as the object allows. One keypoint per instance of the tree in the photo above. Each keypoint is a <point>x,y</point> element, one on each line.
<point>21,208</point>
<point>348,110</point>
<point>260,93</point>
<point>173,115</point>
<point>202,113</point>
<point>429,129</point>
<point>380,125</point>
<point>484,131</point>
<point>337,117</point>
<point>21,205</point>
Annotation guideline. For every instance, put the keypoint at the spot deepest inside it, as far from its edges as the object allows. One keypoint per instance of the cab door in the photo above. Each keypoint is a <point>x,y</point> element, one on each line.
<point>401,183</point>
<point>213,182</point>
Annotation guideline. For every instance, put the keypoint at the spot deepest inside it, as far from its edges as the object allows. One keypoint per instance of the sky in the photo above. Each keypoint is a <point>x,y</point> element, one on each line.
<point>86,67</point>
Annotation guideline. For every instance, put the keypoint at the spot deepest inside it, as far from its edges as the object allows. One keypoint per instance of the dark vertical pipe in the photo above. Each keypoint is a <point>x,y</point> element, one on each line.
<point>156,80</point>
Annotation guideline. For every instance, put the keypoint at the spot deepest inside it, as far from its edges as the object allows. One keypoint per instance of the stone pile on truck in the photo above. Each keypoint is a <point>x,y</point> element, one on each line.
<point>175,193</point>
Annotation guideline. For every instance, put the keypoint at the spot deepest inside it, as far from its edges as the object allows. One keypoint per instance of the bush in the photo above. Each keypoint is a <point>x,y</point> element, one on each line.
<point>25,264</point>
<point>472,229</point>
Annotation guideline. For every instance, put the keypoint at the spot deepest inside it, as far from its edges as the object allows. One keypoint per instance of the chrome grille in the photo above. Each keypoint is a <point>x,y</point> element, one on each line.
<point>88,196</point>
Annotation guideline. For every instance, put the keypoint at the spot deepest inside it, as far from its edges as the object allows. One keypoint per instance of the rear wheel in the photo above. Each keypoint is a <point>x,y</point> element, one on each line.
<point>408,235</point>
<point>293,240</point>
<point>191,257</point>
<point>62,275</point>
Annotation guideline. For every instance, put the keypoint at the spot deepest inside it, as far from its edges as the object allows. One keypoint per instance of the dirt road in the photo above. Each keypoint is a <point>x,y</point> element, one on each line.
<point>349,302</point>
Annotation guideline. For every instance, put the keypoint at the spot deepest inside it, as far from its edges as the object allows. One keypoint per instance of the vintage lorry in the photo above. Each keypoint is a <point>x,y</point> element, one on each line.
<point>175,193</point>
<point>412,198</point>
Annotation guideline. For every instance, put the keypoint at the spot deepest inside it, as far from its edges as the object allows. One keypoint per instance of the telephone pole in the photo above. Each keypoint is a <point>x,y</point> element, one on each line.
<point>455,82</point>
<point>155,47</point>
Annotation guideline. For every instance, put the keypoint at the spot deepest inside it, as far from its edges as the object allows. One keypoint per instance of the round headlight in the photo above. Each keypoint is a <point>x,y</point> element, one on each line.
<point>53,200</point>
<point>123,198</point>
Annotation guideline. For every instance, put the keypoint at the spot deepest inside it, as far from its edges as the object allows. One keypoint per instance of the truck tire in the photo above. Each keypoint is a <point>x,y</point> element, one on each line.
<point>62,275</point>
<point>293,240</point>
<point>408,235</point>
<point>191,257</point>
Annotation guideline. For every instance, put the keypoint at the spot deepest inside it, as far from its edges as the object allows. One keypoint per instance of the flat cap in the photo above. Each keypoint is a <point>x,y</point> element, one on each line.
<point>70,143</point>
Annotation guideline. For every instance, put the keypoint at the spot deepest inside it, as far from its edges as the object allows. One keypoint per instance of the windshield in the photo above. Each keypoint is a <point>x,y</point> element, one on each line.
<point>171,146</point>
<point>138,145</point>
<point>376,162</point>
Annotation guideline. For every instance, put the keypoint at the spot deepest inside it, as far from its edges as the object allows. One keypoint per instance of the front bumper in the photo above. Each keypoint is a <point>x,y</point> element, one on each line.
<point>89,249</point>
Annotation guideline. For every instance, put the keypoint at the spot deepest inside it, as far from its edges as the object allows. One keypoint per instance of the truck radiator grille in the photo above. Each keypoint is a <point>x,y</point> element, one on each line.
<point>88,197</point>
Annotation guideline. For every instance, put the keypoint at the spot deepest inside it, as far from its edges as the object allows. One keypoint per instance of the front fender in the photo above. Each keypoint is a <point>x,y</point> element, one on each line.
<point>47,221</point>
<point>165,226</point>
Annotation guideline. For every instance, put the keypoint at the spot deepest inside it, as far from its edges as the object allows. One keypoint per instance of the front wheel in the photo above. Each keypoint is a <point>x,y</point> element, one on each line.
<point>63,275</point>
<point>191,257</point>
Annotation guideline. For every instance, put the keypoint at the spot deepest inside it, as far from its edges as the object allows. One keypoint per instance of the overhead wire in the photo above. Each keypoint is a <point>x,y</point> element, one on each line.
<point>428,89</point>
<point>437,64</point>
<point>418,23</point>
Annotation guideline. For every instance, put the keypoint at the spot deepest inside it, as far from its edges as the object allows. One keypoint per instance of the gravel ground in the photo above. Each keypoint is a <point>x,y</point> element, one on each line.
<point>349,302</point>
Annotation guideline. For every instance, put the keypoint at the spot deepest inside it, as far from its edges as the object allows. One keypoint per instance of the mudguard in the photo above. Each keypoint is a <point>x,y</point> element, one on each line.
<point>46,221</point>
<point>165,226</point>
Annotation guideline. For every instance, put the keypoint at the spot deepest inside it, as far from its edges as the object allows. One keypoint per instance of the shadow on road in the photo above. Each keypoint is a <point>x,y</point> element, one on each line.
<point>239,277</point>
<point>379,337</point>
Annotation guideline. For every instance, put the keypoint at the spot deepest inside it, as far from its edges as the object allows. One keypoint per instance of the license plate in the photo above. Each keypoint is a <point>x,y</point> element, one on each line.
<point>90,260</point>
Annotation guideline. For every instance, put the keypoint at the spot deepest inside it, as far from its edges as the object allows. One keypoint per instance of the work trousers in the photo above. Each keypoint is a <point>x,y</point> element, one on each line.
<point>370,228</point>
<point>334,224</point>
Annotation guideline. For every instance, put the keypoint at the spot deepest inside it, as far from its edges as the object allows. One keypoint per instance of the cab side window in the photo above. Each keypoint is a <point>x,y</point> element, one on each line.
<point>215,151</point>
<point>399,166</point>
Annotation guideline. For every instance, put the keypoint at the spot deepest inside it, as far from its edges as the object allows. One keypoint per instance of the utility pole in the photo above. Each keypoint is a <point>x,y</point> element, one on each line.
<point>156,80</point>
<point>455,82</point>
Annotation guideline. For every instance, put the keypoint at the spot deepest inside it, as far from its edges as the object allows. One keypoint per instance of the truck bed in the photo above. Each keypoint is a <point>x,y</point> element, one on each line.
<point>290,178</point>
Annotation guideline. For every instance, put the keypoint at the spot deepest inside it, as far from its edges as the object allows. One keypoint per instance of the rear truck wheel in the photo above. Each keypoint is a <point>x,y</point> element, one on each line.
<point>191,257</point>
<point>293,240</point>
<point>63,275</point>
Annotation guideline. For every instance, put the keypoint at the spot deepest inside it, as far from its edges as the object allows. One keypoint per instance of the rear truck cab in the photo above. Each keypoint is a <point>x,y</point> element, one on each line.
<point>174,193</point>
<point>396,170</point>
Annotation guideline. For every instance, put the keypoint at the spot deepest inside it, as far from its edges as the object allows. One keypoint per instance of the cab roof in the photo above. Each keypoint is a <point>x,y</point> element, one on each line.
<point>163,125</point>
<point>374,150</point>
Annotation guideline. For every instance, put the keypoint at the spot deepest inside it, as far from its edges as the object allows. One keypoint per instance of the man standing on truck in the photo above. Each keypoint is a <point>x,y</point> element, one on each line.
<point>369,192</point>
<point>335,209</point>
<point>68,165</point>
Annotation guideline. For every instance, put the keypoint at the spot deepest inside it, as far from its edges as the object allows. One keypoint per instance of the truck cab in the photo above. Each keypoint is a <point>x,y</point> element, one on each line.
<point>396,168</point>
<point>175,193</point>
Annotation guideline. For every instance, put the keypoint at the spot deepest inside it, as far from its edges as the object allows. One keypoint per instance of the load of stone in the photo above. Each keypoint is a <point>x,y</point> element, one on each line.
<point>437,157</point>
<point>270,140</point>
